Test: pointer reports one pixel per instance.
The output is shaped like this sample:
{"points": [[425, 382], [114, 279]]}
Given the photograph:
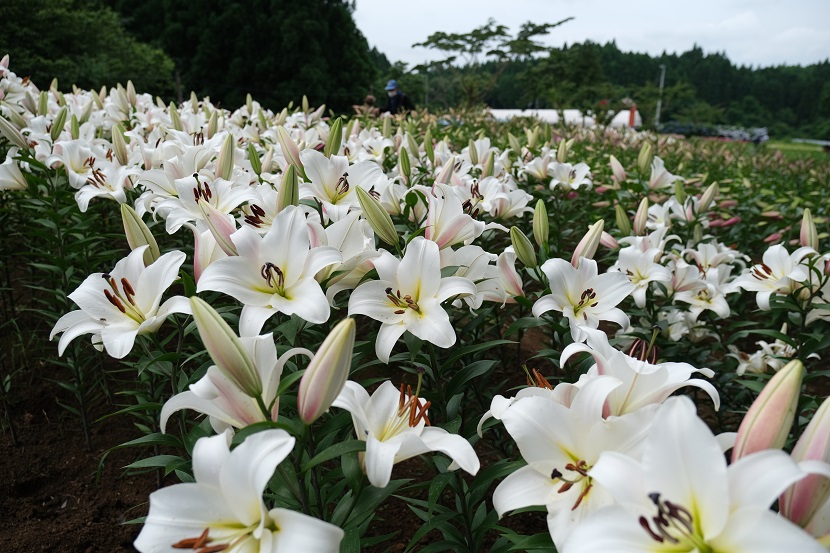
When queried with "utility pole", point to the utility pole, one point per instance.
{"points": [[660, 95]]}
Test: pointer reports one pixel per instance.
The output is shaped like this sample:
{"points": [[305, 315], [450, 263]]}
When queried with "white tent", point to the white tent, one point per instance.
{"points": [[571, 116]]}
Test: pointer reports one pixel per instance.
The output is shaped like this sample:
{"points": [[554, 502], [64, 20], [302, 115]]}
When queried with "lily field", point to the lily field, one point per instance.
{"points": [[616, 337]]}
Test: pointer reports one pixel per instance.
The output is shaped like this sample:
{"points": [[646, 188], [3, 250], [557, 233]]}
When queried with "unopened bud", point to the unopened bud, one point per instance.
{"points": [[74, 128], [249, 104], [290, 151], [138, 234], [378, 218], [221, 226], [523, 248], [332, 147], [289, 192], [132, 97], [473, 152], [680, 191], [327, 372], [213, 123], [386, 128], [809, 234], [305, 104], [412, 145], [11, 134], [562, 151], [641, 218], [489, 166], [225, 348], [767, 423], [119, 146], [587, 247], [621, 218], [58, 124], [428, 149], [541, 226], [617, 169], [645, 158], [445, 176], [224, 162], [175, 120], [609, 241], [514, 144], [253, 159], [403, 160], [532, 137], [43, 103], [708, 197]]}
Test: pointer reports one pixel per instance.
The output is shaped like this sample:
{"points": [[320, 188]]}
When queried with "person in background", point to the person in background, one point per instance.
{"points": [[368, 107], [398, 101]]}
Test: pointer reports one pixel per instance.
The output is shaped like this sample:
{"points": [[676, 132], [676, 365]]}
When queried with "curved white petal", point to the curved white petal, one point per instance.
{"points": [[524, 488], [453, 446], [301, 533], [388, 335], [379, 459]]}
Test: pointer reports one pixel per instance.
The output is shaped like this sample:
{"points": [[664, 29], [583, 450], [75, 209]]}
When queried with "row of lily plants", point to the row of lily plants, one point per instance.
{"points": [[550, 320]]}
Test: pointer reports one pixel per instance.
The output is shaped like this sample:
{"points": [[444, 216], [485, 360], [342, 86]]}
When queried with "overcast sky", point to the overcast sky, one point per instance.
{"points": [[751, 32]]}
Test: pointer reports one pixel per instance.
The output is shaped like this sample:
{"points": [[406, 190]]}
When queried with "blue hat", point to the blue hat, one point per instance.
{"points": [[392, 85]]}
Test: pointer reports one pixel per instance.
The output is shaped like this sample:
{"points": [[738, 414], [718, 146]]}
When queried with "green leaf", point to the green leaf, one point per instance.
{"points": [[335, 451]]}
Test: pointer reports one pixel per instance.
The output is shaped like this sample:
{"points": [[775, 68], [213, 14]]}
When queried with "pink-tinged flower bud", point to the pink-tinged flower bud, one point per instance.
{"points": [[225, 348], [809, 235], [508, 276], [572, 195], [732, 221], [617, 169], [609, 241], [587, 247], [523, 248], [132, 97], [708, 197], [827, 267], [641, 218], [11, 134], [726, 204], [601, 189], [801, 501], [445, 176], [221, 226], [621, 218], [772, 215], [289, 148], [774, 237], [138, 234], [327, 373], [602, 204], [767, 423]]}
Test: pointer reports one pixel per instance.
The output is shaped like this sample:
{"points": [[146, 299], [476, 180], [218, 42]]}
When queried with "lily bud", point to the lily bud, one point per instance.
{"points": [[132, 97], [809, 234], [445, 176], [327, 372], [138, 234], [609, 241], [281, 118], [413, 145], [680, 191], [350, 126], [74, 128], [249, 104], [224, 163], [428, 149], [541, 226], [289, 192], [11, 134], [473, 152], [803, 499], [617, 169], [645, 158], [58, 124], [263, 123], [697, 234], [86, 113], [489, 166], [403, 160], [532, 137], [378, 218], [335, 139], [268, 160], [43, 103], [587, 247], [621, 218], [213, 123], [523, 248], [174, 117], [119, 146], [289, 148], [221, 226], [253, 159], [306, 107], [225, 348], [514, 143], [767, 423], [641, 218], [386, 128], [708, 197], [562, 151]]}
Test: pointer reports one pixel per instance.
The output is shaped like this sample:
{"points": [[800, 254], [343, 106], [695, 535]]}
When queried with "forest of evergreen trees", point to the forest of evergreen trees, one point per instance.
{"points": [[276, 52]]}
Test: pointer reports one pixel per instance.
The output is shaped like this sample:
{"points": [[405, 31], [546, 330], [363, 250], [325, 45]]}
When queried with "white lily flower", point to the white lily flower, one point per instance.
{"points": [[224, 506], [641, 268], [408, 296], [583, 296], [642, 383], [394, 425], [681, 497], [273, 273], [660, 178], [11, 178], [221, 194], [447, 223], [705, 299], [117, 306], [561, 444], [778, 274], [108, 180], [227, 405], [572, 176]]}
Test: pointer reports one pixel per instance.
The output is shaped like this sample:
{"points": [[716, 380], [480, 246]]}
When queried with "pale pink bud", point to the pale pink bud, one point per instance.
{"points": [[609, 241], [221, 226], [572, 195], [446, 172], [767, 423], [774, 237], [601, 189], [726, 204], [290, 151], [617, 169], [809, 235], [641, 218], [509, 277], [708, 197], [732, 221], [587, 247], [801, 501], [327, 373]]}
